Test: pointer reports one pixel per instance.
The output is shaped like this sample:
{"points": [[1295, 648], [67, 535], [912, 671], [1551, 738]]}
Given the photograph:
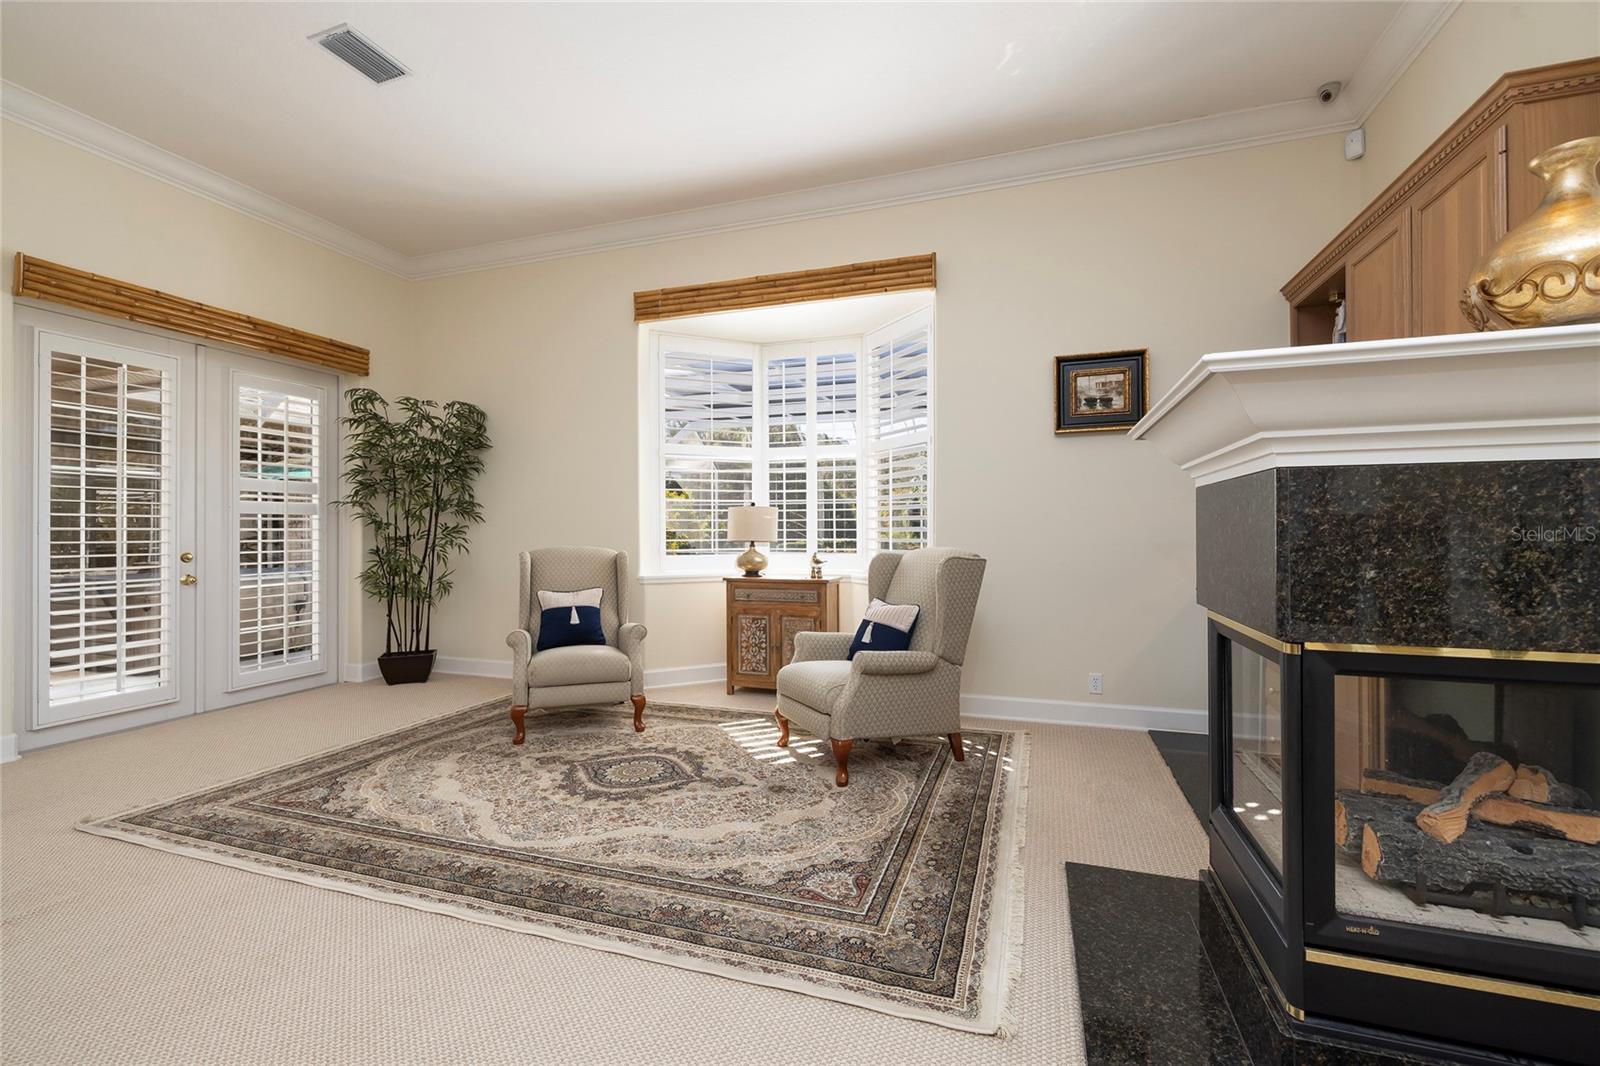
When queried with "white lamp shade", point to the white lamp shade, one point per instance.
{"points": [[753, 523]]}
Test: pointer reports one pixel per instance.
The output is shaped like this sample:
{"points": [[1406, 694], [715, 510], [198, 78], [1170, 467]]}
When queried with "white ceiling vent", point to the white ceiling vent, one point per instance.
{"points": [[360, 53]]}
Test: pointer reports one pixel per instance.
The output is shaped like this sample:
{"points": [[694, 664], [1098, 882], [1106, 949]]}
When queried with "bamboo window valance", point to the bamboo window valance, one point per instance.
{"points": [[768, 290], [40, 279]]}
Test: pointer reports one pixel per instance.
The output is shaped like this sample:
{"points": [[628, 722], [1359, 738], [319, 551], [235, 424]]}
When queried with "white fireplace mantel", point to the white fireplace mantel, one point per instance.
{"points": [[1461, 398]]}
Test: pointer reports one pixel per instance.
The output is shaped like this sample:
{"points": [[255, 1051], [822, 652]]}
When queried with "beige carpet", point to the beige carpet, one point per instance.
{"points": [[119, 954]]}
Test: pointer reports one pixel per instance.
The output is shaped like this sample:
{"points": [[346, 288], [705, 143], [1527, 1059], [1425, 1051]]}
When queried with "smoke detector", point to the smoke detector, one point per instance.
{"points": [[349, 45]]}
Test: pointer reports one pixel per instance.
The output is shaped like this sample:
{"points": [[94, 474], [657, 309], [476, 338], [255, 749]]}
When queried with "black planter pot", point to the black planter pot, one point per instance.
{"points": [[406, 667]]}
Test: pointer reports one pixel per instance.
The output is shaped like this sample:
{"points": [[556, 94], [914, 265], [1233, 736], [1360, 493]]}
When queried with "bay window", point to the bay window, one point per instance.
{"points": [[834, 433]]}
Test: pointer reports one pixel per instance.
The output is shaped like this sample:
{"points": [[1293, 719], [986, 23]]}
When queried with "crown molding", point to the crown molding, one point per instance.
{"points": [[1154, 144], [1413, 26], [44, 115]]}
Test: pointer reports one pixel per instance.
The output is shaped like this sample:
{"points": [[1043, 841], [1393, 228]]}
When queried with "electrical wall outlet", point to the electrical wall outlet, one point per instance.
{"points": [[1096, 686]]}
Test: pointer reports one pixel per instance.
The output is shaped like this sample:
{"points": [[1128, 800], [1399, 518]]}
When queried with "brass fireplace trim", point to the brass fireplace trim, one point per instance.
{"points": [[1255, 634], [1261, 964], [1493, 985], [1585, 657]]}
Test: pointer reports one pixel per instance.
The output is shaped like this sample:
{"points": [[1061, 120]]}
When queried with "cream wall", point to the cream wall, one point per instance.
{"points": [[1480, 42], [1090, 537], [58, 202]]}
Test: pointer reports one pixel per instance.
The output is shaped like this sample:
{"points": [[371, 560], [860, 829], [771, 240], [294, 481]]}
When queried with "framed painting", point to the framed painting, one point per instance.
{"points": [[1101, 391]]}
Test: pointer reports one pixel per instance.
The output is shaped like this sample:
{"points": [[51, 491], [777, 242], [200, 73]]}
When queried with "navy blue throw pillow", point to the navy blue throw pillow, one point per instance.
{"points": [[885, 627], [569, 618]]}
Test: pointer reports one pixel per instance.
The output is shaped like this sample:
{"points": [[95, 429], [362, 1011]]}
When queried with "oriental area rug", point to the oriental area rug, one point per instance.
{"points": [[698, 843]]}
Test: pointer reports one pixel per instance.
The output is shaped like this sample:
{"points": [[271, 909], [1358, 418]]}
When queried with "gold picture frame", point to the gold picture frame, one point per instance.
{"points": [[1100, 392]]}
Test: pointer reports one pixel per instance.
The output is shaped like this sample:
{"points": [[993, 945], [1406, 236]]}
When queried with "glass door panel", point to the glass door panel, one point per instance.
{"points": [[109, 524], [1255, 768], [269, 539], [1469, 805]]}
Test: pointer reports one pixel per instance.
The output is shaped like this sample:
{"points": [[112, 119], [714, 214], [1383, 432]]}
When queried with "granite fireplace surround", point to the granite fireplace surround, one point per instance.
{"points": [[1398, 548], [1459, 555]]}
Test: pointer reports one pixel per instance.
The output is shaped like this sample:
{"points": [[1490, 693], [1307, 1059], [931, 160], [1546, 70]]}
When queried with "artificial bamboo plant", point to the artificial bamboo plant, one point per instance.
{"points": [[409, 478]]}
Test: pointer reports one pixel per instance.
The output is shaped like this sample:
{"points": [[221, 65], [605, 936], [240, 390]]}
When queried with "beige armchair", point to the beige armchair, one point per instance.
{"points": [[888, 693], [585, 675]]}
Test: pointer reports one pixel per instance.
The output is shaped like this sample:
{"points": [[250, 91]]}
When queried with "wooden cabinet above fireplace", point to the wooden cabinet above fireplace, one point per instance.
{"points": [[1402, 263]]}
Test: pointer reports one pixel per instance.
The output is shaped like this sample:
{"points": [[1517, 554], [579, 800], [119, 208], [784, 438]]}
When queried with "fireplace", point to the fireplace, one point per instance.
{"points": [[1463, 802], [1404, 644], [1410, 839]]}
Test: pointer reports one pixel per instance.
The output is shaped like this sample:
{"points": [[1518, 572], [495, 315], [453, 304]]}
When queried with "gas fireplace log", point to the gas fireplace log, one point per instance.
{"points": [[1385, 783], [1573, 823], [1485, 774], [1394, 850], [1538, 785], [1353, 810]]}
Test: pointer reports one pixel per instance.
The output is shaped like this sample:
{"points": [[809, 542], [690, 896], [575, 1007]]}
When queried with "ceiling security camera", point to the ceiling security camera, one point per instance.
{"points": [[1329, 92]]}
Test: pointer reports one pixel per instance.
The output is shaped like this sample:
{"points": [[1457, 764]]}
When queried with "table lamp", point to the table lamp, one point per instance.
{"points": [[752, 524]]}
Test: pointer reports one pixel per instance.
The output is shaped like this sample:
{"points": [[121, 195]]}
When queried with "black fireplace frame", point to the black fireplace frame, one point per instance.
{"points": [[1342, 971]]}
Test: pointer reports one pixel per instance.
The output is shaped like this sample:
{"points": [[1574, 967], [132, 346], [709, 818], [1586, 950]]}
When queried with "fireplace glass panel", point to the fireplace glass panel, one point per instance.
{"points": [[1256, 769], [1469, 806]]}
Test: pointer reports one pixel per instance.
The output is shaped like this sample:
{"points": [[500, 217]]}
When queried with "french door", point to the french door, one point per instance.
{"points": [[114, 507], [184, 553], [268, 535]]}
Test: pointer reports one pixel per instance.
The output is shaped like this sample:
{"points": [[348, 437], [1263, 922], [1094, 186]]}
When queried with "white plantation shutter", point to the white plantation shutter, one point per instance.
{"points": [[832, 435], [278, 485], [836, 506], [707, 400], [838, 398], [786, 490], [899, 399], [698, 493], [108, 597], [709, 435], [786, 401]]}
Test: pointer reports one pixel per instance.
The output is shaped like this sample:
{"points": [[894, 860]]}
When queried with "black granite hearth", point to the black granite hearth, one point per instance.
{"points": [[1147, 991], [1165, 980], [1185, 755]]}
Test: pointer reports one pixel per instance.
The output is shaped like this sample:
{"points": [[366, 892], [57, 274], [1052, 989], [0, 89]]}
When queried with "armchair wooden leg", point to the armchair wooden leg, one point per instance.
{"points": [[955, 747], [841, 758], [516, 720], [638, 714], [783, 729]]}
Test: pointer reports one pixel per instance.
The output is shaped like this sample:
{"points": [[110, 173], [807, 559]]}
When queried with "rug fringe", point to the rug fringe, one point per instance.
{"points": [[1011, 986]]}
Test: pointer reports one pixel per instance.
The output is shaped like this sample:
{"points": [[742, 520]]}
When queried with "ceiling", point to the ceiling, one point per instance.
{"points": [[527, 130]]}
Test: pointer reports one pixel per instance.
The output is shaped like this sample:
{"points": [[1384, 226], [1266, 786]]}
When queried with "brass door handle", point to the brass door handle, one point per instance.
{"points": [[186, 557], [188, 579]]}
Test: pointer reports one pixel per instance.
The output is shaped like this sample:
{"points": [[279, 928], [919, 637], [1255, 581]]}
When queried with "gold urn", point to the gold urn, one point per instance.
{"points": [[1546, 272]]}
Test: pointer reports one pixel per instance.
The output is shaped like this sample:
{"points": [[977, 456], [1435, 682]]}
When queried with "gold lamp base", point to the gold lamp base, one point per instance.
{"points": [[752, 562]]}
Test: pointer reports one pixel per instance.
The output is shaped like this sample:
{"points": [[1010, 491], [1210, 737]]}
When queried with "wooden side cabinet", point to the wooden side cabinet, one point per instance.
{"points": [[764, 614]]}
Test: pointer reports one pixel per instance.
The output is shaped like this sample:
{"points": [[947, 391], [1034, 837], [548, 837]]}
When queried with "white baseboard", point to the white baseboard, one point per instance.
{"points": [[1075, 712], [359, 672], [445, 664], [8, 748], [450, 664], [673, 676]]}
